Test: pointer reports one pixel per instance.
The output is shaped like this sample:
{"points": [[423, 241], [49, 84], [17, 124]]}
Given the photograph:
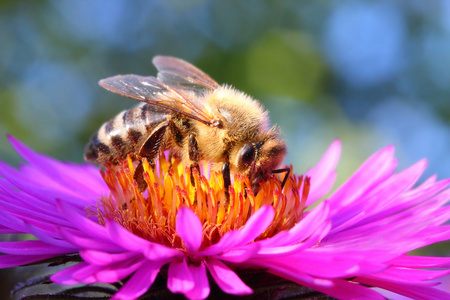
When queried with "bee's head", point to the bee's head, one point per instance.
{"points": [[257, 159]]}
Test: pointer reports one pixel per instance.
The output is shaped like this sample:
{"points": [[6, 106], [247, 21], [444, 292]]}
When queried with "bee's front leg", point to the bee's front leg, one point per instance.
{"points": [[194, 155], [287, 171]]}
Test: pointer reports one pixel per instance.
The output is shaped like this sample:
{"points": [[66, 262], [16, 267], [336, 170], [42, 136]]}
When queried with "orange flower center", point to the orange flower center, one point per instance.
{"points": [[151, 214]]}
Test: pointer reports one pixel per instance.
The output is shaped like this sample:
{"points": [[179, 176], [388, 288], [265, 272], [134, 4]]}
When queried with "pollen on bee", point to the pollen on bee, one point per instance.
{"points": [[151, 214]]}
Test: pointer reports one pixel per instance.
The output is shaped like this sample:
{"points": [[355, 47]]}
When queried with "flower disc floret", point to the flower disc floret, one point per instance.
{"points": [[151, 212]]}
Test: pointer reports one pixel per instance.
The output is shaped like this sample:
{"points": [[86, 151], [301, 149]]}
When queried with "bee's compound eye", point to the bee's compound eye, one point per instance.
{"points": [[247, 155]]}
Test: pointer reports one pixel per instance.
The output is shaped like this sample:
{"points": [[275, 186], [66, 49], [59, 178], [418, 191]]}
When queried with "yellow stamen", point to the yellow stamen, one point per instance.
{"points": [[151, 214]]}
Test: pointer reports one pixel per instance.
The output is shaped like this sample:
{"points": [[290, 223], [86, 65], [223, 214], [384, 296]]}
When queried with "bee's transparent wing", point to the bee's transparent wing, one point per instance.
{"points": [[177, 73], [153, 91]]}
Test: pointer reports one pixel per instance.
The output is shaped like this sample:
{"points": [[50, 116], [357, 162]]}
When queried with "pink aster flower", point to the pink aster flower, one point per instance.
{"points": [[351, 245]]}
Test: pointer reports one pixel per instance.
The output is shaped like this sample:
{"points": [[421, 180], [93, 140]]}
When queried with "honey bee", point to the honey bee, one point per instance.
{"points": [[187, 112]]}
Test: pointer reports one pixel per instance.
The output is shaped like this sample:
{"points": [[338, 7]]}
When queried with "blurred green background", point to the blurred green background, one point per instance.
{"points": [[370, 73]]}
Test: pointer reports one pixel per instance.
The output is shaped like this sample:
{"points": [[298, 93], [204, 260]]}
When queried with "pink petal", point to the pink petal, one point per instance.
{"points": [[201, 288], [399, 183], [34, 216], [40, 226], [375, 170], [179, 279], [50, 237], [241, 254], [371, 204], [12, 222], [324, 174], [82, 242], [86, 274], [226, 242], [65, 276], [338, 288], [189, 228], [12, 198], [31, 248], [255, 225], [342, 289], [302, 230], [424, 191], [8, 260], [420, 262], [8, 231], [226, 279], [101, 258], [71, 176], [408, 290], [140, 282], [42, 192], [127, 240], [410, 276], [82, 222], [314, 239], [118, 272], [326, 264]]}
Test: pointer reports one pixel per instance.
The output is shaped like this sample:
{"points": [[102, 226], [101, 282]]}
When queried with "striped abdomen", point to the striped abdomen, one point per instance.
{"points": [[125, 134]]}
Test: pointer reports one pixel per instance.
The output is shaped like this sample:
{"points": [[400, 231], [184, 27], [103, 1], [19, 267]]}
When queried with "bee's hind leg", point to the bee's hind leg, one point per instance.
{"points": [[226, 178], [194, 155], [139, 177], [149, 150]]}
